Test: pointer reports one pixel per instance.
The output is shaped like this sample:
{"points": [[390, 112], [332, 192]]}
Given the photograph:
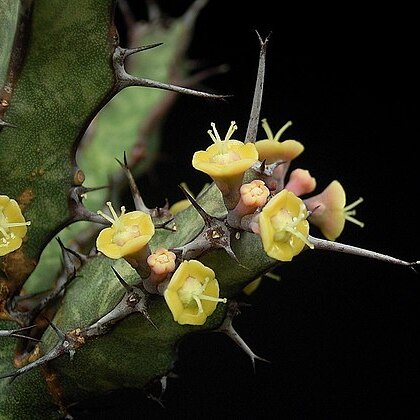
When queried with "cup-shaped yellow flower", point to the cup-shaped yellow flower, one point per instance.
{"points": [[273, 150], [225, 162], [13, 226], [129, 233], [329, 211], [283, 226], [300, 182], [193, 293]]}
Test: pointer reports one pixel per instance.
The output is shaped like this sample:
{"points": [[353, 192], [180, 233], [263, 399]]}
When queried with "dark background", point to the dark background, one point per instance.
{"points": [[341, 332]]}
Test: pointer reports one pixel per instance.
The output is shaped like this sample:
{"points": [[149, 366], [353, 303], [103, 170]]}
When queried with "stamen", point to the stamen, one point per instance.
{"points": [[4, 233], [210, 133], [282, 130], [267, 129], [111, 209], [18, 224], [216, 133], [353, 220], [211, 298], [105, 216], [295, 232], [198, 301], [352, 205], [233, 127], [348, 214]]}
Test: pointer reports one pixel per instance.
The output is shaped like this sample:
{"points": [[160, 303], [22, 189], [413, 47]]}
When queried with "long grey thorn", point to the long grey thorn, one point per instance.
{"points": [[227, 328], [135, 193], [66, 344], [126, 286], [69, 265], [17, 333], [134, 300], [254, 118], [79, 211], [126, 52], [126, 80], [324, 244]]}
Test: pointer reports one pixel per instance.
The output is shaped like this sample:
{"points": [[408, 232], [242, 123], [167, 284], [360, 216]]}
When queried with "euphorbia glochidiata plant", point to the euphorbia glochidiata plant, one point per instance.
{"points": [[181, 270]]}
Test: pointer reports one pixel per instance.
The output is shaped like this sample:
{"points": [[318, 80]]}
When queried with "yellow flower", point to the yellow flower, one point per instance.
{"points": [[225, 158], [13, 226], [193, 293], [129, 233], [272, 150], [329, 210], [283, 226]]}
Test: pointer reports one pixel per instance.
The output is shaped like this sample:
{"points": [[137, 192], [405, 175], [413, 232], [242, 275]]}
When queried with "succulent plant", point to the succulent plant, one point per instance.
{"points": [[96, 293]]}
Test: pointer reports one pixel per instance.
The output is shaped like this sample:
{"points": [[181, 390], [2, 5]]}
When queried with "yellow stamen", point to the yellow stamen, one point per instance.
{"points": [[282, 130], [348, 212], [269, 133]]}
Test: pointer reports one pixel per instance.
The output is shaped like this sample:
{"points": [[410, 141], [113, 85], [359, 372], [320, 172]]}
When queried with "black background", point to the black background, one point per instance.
{"points": [[341, 332]]}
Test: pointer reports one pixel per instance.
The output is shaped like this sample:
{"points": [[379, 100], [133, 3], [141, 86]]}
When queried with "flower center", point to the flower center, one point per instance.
{"points": [[223, 156], [191, 293], [285, 226], [124, 233], [5, 233]]}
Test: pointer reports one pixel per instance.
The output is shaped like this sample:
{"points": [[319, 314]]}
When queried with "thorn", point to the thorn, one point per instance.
{"points": [[129, 51], [79, 211], [135, 193], [59, 333], [231, 254], [17, 333], [412, 264], [85, 190], [125, 80], [69, 266], [126, 286], [227, 328], [67, 344], [311, 212], [251, 132], [6, 124], [206, 217], [82, 258], [147, 316], [262, 166], [327, 245], [164, 225]]}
